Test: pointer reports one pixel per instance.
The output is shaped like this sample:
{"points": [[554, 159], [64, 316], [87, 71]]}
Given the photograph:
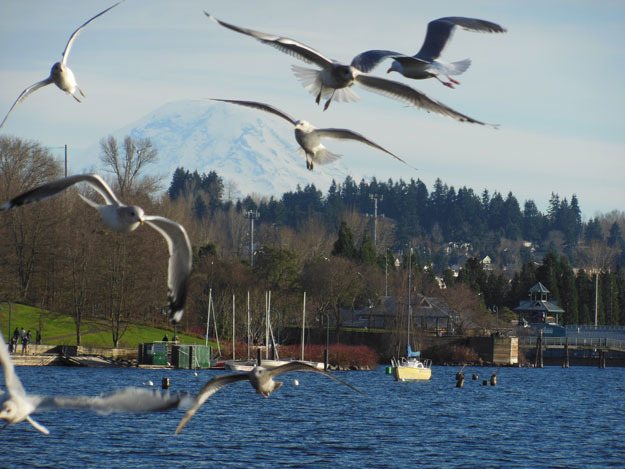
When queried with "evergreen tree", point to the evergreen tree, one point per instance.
{"points": [[615, 238], [344, 245], [593, 231], [366, 253]]}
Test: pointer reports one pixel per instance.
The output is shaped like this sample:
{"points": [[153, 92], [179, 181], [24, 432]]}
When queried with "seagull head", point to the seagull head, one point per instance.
{"points": [[261, 380], [10, 412], [395, 67], [131, 216], [304, 126]]}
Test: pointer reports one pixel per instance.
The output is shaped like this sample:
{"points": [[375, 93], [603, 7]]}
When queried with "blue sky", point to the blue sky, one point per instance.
{"points": [[554, 82]]}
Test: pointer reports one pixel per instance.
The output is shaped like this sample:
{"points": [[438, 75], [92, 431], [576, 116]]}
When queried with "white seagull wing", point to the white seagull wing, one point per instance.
{"points": [[24, 94], [129, 399], [262, 107], [440, 31], [11, 380], [299, 366], [350, 134], [207, 391], [180, 260], [76, 33], [284, 44], [399, 91], [54, 187]]}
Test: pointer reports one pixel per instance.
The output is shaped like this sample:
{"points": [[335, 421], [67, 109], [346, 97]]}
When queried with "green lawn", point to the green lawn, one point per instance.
{"points": [[59, 329]]}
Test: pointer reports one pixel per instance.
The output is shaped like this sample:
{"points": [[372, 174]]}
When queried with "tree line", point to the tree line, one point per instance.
{"points": [[57, 255]]}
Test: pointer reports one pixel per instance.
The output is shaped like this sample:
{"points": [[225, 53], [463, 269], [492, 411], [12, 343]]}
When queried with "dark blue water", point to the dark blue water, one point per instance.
{"points": [[549, 417]]}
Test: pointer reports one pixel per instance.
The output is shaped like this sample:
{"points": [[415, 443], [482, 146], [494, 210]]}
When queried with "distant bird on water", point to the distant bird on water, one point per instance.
{"points": [[335, 79], [17, 406], [60, 74], [261, 380], [425, 63], [124, 219], [309, 137]]}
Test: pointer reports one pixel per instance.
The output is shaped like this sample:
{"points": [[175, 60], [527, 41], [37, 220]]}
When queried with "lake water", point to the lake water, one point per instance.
{"points": [[549, 417]]}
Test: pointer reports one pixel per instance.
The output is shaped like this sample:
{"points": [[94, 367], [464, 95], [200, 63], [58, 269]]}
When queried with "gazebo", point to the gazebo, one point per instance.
{"points": [[539, 309]]}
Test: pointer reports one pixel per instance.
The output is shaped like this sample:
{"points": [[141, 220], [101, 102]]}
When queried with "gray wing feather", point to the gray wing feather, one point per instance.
{"points": [[350, 134], [368, 60], [399, 91], [76, 33], [262, 107], [24, 94], [299, 366], [180, 261], [284, 44], [440, 31], [207, 391], [130, 399], [52, 188]]}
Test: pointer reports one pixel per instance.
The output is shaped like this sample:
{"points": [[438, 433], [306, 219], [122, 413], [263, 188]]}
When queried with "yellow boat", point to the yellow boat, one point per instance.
{"points": [[412, 367]]}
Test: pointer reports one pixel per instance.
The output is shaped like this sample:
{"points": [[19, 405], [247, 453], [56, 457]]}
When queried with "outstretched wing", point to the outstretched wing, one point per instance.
{"points": [[350, 134], [130, 399], [11, 380], [207, 391], [76, 33], [24, 94], [300, 366], [180, 259], [284, 44], [52, 188], [440, 31], [368, 60], [262, 107], [399, 91]]}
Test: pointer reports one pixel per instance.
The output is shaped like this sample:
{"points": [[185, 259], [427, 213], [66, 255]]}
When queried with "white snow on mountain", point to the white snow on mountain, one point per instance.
{"points": [[255, 150]]}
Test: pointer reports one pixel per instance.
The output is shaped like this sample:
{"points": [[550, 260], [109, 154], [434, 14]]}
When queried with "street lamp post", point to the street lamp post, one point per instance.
{"points": [[252, 215]]}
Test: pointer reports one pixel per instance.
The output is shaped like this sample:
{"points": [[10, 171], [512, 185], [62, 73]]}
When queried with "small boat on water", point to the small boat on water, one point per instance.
{"points": [[411, 367]]}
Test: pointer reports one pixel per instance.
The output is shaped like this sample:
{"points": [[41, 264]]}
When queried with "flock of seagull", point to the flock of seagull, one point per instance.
{"points": [[331, 81]]}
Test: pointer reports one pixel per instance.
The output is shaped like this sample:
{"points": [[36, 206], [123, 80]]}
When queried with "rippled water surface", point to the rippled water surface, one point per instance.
{"points": [[549, 417]]}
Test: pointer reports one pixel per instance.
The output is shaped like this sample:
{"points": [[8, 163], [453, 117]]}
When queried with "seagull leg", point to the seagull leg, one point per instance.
{"points": [[454, 81], [318, 99], [327, 105], [448, 84]]}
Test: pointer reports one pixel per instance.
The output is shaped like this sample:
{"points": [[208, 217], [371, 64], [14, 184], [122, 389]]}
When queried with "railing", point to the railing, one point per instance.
{"points": [[577, 342]]}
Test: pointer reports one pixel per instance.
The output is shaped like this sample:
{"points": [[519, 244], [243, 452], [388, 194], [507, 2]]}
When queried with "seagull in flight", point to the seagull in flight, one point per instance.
{"points": [[60, 74], [309, 137], [426, 63], [124, 219], [16, 405], [261, 380], [334, 80]]}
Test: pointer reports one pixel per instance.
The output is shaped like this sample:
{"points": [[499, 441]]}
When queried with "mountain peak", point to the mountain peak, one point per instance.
{"points": [[256, 151]]}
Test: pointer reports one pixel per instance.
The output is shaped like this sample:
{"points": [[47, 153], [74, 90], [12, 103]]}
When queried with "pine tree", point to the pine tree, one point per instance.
{"points": [[344, 245]]}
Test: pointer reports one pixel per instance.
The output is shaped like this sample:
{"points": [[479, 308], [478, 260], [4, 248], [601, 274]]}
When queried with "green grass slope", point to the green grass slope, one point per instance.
{"points": [[59, 329]]}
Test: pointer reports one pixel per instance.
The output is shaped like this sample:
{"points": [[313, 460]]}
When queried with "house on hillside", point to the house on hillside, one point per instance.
{"points": [[431, 314]]}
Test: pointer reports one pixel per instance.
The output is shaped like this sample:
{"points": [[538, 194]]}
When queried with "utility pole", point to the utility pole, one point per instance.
{"points": [[252, 215], [375, 198]]}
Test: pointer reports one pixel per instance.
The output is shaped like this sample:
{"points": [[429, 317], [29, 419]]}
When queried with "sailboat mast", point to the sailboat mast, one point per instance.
{"points": [[248, 325], [409, 294], [303, 325], [208, 316], [233, 341]]}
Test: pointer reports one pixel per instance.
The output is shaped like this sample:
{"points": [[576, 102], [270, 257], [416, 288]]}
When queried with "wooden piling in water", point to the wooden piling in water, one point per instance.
{"points": [[538, 359], [567, 362]]}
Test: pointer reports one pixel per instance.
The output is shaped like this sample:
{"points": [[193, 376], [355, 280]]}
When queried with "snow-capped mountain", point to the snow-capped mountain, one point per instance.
{"points": [[254, 149]]}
